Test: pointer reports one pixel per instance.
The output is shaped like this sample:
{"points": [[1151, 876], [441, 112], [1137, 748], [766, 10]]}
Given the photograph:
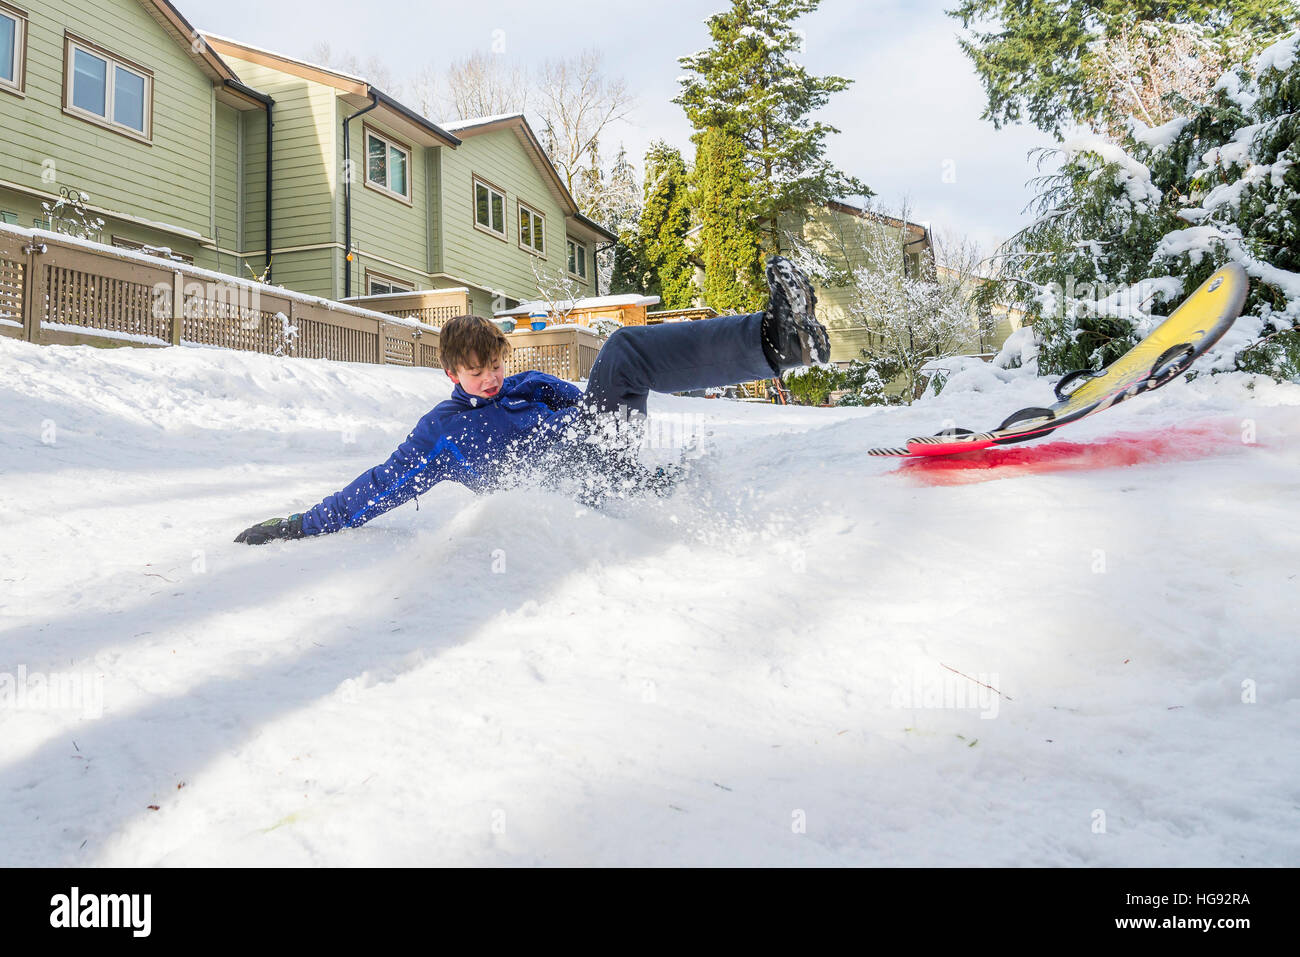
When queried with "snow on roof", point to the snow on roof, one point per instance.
{"points": [[578, 305], [285, 56], [452, 125]]}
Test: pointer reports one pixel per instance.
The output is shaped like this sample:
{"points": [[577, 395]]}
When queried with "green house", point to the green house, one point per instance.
{"points": [[234, 158], [122, 101], [400, 203]]}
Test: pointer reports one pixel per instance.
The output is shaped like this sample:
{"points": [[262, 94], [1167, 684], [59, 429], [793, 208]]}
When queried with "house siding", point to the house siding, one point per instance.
{"points": [[478, 257], [228, 133], [304, 180], [252, 187], [170, 181], [385, 228]]}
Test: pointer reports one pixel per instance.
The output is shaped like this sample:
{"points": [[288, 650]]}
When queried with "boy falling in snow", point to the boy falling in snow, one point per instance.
{"points": [[492, 422]]}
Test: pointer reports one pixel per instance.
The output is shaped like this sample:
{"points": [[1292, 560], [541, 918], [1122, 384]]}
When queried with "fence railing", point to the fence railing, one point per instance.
{"points": [[567, 352], [55, 290], [433, 307]]}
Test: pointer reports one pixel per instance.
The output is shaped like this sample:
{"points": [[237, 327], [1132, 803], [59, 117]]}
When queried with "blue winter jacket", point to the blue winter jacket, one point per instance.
{"points": [[466, 439]]}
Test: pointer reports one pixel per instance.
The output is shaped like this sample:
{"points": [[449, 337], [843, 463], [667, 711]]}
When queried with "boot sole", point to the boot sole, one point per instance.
{"points": [[799, 296]]}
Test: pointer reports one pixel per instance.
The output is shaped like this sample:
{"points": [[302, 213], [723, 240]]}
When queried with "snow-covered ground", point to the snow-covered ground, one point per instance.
{"points": [[762, 669]]}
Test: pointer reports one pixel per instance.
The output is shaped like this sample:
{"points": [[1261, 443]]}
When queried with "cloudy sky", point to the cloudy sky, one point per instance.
{"points": [[910, 125]]}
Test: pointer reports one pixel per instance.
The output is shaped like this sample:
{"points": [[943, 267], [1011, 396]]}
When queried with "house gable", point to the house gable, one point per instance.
{"points": [[503, 153], [161, 187]]}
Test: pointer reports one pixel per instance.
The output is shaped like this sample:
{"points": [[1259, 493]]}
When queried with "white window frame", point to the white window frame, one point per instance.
{"points": [[492, 191], [368, 134], [575, 246], [394, 285], [532, 212], [18, 84], [72, 44]]}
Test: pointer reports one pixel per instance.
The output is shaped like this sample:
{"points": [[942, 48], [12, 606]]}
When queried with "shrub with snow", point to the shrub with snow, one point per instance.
{"points": [[1125, 231]]}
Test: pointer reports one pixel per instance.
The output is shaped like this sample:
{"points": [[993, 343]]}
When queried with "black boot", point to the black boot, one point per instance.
{"points": [[792, 336]]}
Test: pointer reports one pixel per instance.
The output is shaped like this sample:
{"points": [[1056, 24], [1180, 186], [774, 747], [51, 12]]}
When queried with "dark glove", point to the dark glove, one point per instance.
{"points": [[262, 533]]}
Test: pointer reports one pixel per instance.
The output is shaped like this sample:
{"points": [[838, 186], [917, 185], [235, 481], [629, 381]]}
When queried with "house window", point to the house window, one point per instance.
{"points": [[13, 36], [388, 166], [489, 208], [577, 259], [532, 229], [384, 286], [104, 89]]}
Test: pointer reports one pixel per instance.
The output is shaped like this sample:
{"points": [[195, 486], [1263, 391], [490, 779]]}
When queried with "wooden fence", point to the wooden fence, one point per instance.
{"points": [[56, 292], [566, 352], [433, 307]]}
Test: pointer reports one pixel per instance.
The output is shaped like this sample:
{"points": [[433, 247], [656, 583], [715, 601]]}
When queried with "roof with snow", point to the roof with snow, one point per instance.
{"points": [[357, 91], [580, 305], [229, 86], [474, 121]]}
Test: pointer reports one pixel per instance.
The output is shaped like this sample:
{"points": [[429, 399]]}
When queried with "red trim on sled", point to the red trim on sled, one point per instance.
{"points": [[948, 448]]}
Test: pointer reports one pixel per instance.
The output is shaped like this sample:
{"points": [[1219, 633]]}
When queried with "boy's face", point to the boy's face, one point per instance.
{"points": [[483, 380]]}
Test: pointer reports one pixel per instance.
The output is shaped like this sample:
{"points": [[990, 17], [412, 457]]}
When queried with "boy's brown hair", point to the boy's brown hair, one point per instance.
{"points": [[471, 342]]}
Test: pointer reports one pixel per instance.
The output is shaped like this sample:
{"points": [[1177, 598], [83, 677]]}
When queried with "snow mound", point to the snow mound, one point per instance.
{"points": [[801, 634]]}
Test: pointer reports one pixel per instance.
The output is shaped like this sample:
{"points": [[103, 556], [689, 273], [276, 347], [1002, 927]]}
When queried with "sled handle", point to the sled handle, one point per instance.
{"points": [[1033, 412], [1172, 362], [1069, 377]]}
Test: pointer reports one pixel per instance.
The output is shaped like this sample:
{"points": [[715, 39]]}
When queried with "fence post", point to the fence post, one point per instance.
{"points": [[573, 354], [31, 282], [383, 341], [178, 308]]}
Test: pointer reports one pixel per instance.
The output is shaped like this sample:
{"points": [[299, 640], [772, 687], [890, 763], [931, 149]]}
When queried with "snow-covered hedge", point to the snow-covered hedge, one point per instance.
{"points": [[1126, 230]]}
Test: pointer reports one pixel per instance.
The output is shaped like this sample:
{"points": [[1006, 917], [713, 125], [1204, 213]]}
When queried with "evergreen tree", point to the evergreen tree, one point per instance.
{"points": [[614, 201], [1124, 232], [620, 260], [626, 273], [729, 244], [661, 260], [747, 84], [1062, 63]]}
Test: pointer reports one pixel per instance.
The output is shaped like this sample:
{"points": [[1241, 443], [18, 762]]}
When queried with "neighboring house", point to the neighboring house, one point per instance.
{"points": [[832, 232], [474, 203], [1003, 320], [121, 100], [225, 155]]}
